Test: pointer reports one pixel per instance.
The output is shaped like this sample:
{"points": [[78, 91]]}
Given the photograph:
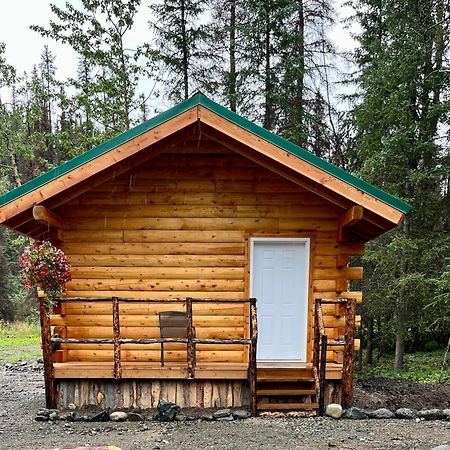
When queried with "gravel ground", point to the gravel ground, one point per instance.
{"points": [[22, 393]]}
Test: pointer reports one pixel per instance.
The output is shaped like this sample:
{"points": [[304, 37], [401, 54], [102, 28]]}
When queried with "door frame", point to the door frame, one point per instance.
{"points": [[308, 264]]}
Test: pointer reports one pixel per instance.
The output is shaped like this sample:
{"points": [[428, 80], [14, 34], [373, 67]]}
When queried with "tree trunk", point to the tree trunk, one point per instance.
{"points": [[184, 50], [232, 76], [369, 348], [268, 88]]}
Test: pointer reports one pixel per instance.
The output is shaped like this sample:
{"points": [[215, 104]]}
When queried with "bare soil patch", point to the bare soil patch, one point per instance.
{"points": [[22, 393]]}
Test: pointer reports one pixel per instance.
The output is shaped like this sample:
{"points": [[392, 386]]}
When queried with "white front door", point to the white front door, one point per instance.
{"points": [[279, 275]]}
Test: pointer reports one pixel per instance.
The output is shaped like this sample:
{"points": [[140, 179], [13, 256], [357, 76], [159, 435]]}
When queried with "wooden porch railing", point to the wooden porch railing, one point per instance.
{"points": [[321, 344], [117, 341]]}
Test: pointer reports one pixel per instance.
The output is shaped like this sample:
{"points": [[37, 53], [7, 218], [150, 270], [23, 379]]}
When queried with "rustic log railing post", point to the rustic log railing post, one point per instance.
{"points": [[116, 339], [190, 340], [349, 350], [47, 354], [322, 373], [252, 357]]}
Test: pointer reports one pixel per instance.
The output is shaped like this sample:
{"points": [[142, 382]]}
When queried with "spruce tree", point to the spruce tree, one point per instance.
{"points": [[403, 104]]}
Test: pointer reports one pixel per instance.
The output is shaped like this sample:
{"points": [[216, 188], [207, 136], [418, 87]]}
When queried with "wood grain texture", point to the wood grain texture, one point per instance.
{"points": [[177, 226]]}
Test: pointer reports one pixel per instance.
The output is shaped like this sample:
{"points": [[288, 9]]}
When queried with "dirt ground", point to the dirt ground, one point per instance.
{"points": [[22, 393]]}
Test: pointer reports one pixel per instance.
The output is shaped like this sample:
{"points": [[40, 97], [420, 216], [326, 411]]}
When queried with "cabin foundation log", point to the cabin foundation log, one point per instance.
{"points": [[145, 394]]}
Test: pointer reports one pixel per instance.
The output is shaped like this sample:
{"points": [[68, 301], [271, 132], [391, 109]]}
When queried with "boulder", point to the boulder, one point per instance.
{"points": [[102, 416], [53, 415], [225, 419], [334, 410], [167, 411], [381, 413], [135, 417], [72, 406], [241, 414], [431, 414], [118, 416], [180, 418], [354, 413], [222, 413], [207, 417], [43, 412], [405, 413], [446, 413]]}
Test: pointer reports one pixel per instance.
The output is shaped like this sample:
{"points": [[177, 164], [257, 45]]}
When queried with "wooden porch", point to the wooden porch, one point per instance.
{"points": [[268, 385]]}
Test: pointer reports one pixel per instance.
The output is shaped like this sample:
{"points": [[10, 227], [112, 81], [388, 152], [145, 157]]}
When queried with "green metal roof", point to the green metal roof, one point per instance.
{"points": [[200, 99]]}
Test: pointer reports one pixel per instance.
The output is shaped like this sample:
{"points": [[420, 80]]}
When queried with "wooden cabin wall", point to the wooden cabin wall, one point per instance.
{"points": [[178, 226]]}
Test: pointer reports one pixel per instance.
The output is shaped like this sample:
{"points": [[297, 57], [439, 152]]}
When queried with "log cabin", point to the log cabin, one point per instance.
{"points": [[244, 235]]}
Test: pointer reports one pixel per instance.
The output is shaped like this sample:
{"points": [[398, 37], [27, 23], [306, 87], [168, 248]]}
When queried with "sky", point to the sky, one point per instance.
{"points": [[24, 46]]}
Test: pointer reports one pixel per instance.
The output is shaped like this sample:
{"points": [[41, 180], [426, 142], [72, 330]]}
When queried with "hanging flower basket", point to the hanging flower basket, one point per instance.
{"points": [[46, 267]]}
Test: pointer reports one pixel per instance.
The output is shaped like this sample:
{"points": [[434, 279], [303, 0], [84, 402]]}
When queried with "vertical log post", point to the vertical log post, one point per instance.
{"points": [[47, 354], [349, 351], [322, 373], [116, 338], [252, 357], [190, 342], [316, 348]]}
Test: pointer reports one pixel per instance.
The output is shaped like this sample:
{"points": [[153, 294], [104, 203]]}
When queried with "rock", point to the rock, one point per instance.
{"points": [[9, 365], [180, 418], [192, 417], [23, 363], [72, 406], [241, 414], [381, 413], [442, 447], [102, 416], [74, 417], [135, 417], [3, 413], [118, 416], [207, 417], [225, 419], [446, 413], [334, 410], [221, 413], [53, 415], [405, 413], [354, 413], [431, 414], [40, 418], [167, 411], [43, 412]]}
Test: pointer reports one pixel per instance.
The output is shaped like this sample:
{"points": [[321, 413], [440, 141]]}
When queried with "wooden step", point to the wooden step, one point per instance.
{"points": [[281, 392], [287, 406], [284, 379]]}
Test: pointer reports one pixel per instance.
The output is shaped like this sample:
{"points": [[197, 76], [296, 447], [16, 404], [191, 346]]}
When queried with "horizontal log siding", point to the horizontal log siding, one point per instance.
{"points": [[176, 227]]}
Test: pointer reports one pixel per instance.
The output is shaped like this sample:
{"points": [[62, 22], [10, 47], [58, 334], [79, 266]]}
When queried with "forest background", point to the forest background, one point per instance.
{"points": [[381, 112]]}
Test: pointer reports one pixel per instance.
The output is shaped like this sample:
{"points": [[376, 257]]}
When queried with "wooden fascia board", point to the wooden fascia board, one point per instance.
{"points": [[106, 160], [302, 167]]}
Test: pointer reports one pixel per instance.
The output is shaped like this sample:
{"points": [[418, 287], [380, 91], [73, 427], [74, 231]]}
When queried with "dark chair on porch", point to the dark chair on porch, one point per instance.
{"points": [[173, 324]]}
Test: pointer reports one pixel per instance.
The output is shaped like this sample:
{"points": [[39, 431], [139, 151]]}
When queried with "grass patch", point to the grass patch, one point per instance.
{"points": [[20, 341], [420, 366]]}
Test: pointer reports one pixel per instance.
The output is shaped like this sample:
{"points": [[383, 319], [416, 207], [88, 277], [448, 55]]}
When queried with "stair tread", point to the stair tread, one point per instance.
{"points": [[281, 392], [284, 379], [287, 406]]}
